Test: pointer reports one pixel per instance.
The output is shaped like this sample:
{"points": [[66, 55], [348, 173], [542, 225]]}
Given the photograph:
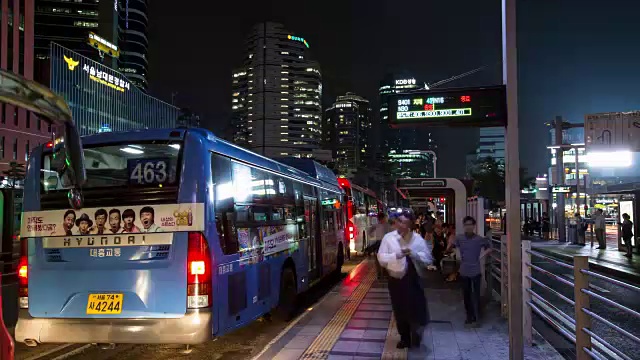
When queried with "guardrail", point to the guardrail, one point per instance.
{"points": [[576, 327]]}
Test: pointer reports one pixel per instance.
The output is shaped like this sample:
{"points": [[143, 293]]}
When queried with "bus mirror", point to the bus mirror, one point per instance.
{"points": [[72, 173], [27, 94]]}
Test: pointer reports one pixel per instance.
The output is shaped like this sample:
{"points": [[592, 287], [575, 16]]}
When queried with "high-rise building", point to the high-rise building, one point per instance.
{"points": [[347, 131], [276, 95], [491, 144], [20, 130], [412, 164], [122, 24], [133, 22], [413, 138], [102, 99]]}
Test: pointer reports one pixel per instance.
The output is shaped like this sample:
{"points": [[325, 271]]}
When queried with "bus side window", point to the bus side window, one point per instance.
{"points": [[223, 203]]}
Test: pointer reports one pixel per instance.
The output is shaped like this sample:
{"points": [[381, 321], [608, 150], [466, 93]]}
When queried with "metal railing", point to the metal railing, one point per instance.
{"points": [[577, 327]]}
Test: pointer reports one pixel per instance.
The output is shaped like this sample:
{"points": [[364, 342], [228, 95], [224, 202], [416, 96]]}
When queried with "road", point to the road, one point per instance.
{"points": [[239, 345], [618, 294]]}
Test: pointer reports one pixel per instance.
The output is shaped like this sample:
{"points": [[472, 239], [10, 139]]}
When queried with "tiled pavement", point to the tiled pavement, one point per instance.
{"points": [[355, 321]]}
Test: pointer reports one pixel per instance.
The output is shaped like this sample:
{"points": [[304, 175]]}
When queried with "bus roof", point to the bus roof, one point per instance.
{"points": [[217, 145]]}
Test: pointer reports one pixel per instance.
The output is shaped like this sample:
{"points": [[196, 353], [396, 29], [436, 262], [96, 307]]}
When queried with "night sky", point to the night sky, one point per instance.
{"points": [[575, 56]]}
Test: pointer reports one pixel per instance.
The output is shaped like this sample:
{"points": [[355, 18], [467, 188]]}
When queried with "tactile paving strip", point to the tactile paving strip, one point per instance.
{"points": [[323, 344]]}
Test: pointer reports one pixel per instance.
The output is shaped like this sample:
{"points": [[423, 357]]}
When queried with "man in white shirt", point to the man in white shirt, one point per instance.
{"points": [[404, 254]]}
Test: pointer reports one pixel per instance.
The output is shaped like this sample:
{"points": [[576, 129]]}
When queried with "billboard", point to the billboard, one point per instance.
{"points": [[612, 131], [100, 97]]}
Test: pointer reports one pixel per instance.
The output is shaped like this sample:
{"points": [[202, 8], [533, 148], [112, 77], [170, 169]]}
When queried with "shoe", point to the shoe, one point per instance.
{"points": [[628, 255], [402, 345]]}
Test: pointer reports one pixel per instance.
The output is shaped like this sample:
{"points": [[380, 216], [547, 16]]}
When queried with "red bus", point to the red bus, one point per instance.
{"points": [[362, 211]]}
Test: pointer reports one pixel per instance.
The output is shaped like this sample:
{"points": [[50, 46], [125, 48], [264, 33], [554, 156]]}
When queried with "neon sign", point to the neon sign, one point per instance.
{"points": [[297, 38]]}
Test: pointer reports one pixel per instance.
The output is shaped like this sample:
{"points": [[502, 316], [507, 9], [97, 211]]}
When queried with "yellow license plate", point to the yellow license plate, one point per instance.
{"points": [[104, 304]]}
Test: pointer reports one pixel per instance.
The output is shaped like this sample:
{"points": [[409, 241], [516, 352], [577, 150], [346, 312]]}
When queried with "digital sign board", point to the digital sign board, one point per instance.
{"points": [[478, 107]]}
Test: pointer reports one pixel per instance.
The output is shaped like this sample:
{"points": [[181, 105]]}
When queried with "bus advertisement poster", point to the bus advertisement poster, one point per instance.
{"points": [[114, 220]]}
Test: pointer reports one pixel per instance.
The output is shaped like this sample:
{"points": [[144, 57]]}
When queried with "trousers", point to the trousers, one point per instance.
{"points": [[471, 292]]}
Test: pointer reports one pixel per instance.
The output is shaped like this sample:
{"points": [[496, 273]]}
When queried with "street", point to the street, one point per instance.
{"points": [[244, 343]]}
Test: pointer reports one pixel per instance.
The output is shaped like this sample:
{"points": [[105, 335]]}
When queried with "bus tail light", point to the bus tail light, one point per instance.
{"points": [[199, 294], [351, 235], [23, 276]]}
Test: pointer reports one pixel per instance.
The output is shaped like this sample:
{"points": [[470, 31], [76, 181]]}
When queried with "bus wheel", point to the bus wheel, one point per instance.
{"points": [[288, 294]]}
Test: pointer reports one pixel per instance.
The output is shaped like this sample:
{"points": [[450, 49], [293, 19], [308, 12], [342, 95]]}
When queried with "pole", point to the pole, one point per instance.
{"points": [[577, 182], [514, 257], [562, 231]]}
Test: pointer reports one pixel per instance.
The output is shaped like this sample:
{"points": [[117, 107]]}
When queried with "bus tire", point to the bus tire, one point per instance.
{"points": [[288, 295]]}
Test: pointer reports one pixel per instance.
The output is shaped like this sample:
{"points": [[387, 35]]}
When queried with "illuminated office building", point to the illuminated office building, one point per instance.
{"points": [[68, 23], [400, 139], [347, 132], [276, 109], [412, 164], [102, 99], [133, 42], [20, 130], [491, 144]]}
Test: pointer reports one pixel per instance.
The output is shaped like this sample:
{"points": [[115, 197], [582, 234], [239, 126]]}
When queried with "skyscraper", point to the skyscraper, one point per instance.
{"points": [[347, 133], [68, 23], [406, 138], [276, 95], [133, 22], [491, 144]]}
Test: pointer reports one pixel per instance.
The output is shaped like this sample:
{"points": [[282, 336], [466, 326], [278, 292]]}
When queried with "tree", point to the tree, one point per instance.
{"points": [[526, 181], [15, 173], [488, 177]]}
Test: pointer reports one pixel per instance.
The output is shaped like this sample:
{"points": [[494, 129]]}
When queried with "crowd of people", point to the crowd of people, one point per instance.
{"points": [[410, 246]]}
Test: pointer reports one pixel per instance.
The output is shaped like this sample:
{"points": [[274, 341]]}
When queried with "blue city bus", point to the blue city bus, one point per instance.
{"points": [[182, 237]]}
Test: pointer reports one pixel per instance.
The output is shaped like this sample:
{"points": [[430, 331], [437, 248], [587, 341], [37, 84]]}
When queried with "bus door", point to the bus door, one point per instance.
{"points": [[311, 208]]}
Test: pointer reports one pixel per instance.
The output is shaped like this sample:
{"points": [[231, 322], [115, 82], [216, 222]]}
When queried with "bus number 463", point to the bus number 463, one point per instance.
{"points": [[149, 172]]}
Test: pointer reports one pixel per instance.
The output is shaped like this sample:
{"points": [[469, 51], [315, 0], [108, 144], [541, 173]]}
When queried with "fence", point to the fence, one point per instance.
{"points": [[577, 327]]}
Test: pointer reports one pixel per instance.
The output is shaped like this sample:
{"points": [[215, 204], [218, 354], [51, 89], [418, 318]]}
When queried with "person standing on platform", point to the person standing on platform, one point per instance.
{"points": [[599, 224], [405, 254], [472, 247], [627, 233], [546, 226]]}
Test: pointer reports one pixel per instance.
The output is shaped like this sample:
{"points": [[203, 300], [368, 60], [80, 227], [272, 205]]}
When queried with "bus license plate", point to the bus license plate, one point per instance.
{"points": [[104, 303]]}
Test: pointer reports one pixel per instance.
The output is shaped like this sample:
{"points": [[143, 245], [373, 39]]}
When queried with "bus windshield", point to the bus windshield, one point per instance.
{"points": [[131, 164]]}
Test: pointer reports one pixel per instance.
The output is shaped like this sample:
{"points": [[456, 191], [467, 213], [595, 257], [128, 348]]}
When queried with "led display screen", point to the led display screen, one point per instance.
{"points": [[452, 107]]}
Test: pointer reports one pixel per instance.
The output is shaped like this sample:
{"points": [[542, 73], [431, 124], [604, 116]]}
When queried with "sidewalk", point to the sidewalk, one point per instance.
{"points": [[354, 321]]}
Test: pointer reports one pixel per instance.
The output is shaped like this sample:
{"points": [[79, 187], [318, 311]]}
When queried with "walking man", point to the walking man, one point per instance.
{"points": [[472, 247], [599, 225]]}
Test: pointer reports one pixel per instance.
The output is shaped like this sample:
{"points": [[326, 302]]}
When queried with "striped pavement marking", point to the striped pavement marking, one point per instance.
{"points": [[322, 345]]}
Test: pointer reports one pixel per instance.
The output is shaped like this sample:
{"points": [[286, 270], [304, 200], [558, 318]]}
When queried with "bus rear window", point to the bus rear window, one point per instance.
{"points": [[123, 165]]}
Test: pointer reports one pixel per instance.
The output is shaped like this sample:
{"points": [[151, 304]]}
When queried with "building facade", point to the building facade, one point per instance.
{"points": [[102, 99], [491, 144], [412, 164], [68, 23], [346, 131], [276, 106], [395, 139], [20, 130], [133, 42]]}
